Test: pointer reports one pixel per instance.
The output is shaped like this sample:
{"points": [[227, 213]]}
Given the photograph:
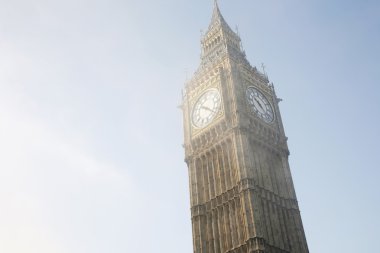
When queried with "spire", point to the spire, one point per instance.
{"points": [[219, 39], [217, 18], [216, 4]]}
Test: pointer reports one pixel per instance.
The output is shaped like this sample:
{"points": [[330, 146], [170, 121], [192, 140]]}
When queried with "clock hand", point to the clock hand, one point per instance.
{"points": [[208, 109], [259, 104]]}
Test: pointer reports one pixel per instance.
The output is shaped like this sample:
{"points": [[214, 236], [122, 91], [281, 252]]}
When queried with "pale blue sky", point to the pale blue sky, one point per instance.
{"points": [[90, 133]]}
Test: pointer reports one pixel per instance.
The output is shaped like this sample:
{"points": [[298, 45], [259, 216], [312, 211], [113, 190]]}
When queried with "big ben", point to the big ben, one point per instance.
{"points": [[241, 190]]}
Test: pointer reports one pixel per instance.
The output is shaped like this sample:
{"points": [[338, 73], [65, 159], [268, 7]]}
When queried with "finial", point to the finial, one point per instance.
{"points": [[237, 30], [263, 67]]}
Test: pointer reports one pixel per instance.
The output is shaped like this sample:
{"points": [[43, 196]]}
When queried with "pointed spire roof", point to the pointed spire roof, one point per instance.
{"points": [[216, 15], [217, 19]]}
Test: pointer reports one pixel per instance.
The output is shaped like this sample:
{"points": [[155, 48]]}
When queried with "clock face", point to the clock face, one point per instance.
{"points": [[259, 104], [206, 108]]}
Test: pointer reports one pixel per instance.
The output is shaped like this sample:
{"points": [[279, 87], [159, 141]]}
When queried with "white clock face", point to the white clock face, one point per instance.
{"points": [[206, 108], [259, 104]]}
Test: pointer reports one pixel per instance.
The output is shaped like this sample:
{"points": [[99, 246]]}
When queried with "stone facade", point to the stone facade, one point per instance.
{"points": [[241, 190]]}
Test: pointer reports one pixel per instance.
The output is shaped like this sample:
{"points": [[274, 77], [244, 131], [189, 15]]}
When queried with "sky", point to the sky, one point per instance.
{"points": [[91, 157]]}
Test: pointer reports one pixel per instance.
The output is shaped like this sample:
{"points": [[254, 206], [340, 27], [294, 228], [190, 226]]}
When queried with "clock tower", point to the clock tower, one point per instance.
{"points": [[241, 190]]}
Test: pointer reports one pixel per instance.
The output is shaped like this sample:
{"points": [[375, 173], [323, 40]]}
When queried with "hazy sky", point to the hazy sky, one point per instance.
{"points": [[90, 134]]}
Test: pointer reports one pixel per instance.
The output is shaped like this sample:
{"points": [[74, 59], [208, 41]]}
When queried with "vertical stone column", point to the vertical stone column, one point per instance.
{"points": [[227, 225], [221, 166], [233, 223], [288, 177], [198, 182], [226, 181], [199, 230], [205, 179], [222, 235], [210, 234], [212, 175], [217, 168], [216, 233], [239, 222]]}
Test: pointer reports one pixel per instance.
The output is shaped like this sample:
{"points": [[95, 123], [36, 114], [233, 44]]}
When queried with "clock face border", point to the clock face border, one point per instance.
{"points": [[206, 108], [259, 105]]}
